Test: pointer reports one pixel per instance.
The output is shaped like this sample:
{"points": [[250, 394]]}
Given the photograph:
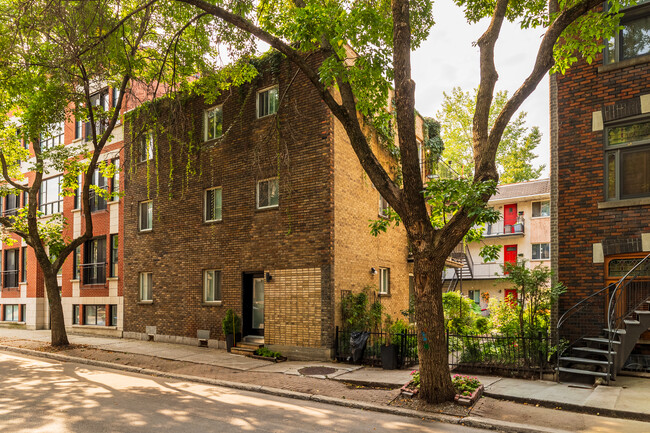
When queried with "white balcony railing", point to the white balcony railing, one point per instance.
{"points": [[501, 229]]}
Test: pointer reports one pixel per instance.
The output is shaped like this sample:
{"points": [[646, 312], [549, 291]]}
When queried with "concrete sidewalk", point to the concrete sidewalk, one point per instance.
{"points": [[629, 397]]}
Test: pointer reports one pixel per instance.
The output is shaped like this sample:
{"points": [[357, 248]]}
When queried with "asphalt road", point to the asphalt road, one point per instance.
{"points": [[38, 395]]}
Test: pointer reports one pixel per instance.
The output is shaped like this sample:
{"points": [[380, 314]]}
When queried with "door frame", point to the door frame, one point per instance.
{"points": [[247, 303]]}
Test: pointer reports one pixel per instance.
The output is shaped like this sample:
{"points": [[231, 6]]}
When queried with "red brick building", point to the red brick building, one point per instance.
{"points": [[255, 202], [600, 146], [90, 280]]}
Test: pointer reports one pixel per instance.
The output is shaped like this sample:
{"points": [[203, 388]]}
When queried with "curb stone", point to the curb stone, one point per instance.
{"points": [[570, 407], [470, 421]]}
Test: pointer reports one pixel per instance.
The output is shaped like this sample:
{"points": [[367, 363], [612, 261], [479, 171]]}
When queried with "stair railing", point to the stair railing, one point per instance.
{"points": [[626, 297]]}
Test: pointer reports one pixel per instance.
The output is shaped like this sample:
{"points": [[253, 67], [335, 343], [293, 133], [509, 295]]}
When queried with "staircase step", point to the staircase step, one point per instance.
{"points": [[583, 360], [241, 351], [577, 371], [618, 331], [592, 350], [600, 340], [631, 322], [641, 312], [252, 346]]}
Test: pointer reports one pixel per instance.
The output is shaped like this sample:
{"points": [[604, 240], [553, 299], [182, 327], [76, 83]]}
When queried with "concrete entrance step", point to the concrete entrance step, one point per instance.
{"points": [[242, 350], [251, 346]]}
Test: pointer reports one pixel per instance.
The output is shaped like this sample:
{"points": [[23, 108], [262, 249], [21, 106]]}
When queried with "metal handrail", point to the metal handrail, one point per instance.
{"points": [[612, 324]]}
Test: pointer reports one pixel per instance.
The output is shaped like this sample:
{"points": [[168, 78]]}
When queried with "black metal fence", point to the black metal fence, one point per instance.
{"points": [[517, 355], [406, 344]]}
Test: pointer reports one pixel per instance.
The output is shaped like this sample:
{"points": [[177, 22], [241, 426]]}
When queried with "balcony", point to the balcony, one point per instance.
{"points": [[10, 279], [93, 274], [501, 229], [480, 271]]}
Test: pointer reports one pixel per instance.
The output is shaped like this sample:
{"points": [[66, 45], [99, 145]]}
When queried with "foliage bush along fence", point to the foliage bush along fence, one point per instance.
{"points": [[406, 342], [507, 354]]}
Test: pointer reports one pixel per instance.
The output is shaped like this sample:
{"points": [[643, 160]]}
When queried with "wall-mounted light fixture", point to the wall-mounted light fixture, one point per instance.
{"points": [[268, 277], [373, 271]]}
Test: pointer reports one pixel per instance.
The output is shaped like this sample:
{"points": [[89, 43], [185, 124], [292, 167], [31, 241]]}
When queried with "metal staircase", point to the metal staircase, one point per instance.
{"points": [[462, 255], [604, 327]]}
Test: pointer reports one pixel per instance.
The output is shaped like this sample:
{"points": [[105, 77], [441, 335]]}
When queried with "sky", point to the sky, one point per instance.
{"points": [[447, 59]]}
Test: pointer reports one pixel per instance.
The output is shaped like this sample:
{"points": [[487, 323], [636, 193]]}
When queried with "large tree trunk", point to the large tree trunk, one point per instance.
{"points": [[436, 385], [57, 323]]}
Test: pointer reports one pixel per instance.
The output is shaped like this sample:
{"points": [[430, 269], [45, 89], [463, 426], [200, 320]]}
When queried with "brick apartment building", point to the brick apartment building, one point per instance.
{"points": [[600, 146], [523, 232], [270, 219], [90, 280]]}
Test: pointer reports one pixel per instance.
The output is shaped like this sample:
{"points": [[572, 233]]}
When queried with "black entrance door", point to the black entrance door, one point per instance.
{"points": [[253, 303]]}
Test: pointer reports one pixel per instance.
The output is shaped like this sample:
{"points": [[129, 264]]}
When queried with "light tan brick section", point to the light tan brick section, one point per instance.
{"points": [[292, 307]]}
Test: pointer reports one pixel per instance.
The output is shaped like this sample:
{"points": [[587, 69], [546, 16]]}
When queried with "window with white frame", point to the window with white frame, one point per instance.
{"points": [[212, 285], [11, 312], [50, 200], [267, 102], [213, 121], [146, 215], [541, 251], [384, 281], [268, 193], [212, 204], [146, 283], [146, 147], [541, 209], [53, 136], [383, 206]]}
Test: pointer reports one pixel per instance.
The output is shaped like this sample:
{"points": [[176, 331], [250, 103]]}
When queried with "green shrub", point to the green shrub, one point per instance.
{"points": [[482, 325], [358, 314], [231, 323], [263, 351]]}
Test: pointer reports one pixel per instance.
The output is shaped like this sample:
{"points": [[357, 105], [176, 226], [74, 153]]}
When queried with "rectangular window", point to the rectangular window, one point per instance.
{"points": [[75, 314], [78, 129], [146, 283], [541, 209], [213, 204], [116, 96], [627, 161], [99, 103], [633, 39], [541, 252], [96, 199], [95, 315], [115, 181], [113, 315], [94, 267], [77, 194], [213, 120], [383, 206], [12, 203], [53, 136], [211, 286], [11, 273], [50, 198], [146, 147], [114, 255], [268, 193], [76, 263], [475, 295], [267, 102], [11, 313], [23, 265], [146, 215], [384, 281]]}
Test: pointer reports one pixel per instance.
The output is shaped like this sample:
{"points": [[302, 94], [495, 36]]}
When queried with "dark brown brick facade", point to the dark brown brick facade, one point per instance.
{"points": [[296, 235], [580, 177]]}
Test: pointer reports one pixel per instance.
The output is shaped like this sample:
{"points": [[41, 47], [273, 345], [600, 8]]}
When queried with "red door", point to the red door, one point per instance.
{"points": [[509, 218], [511, 296], [509, 255]]}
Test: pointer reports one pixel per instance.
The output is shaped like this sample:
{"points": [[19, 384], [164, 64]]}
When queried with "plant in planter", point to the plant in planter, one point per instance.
{"points": [[468, 389], [231, 325], [388, 350], [263, 352]]}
